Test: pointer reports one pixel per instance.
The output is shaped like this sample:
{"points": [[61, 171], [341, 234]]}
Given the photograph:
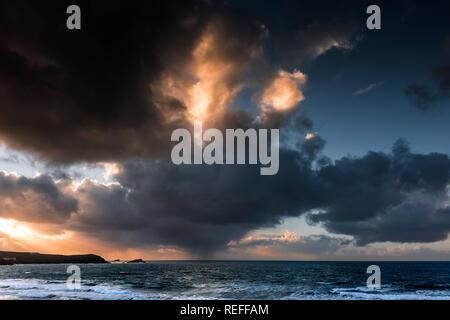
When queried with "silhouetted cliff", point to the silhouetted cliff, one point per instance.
{"points": [[7, 258]]}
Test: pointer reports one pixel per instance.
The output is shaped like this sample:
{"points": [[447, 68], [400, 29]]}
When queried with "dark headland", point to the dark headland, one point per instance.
{"points": [[136, 261], [9, 258]]}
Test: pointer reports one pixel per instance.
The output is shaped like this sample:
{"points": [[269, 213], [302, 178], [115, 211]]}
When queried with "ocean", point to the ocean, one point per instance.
{"points": [[228, 280]]}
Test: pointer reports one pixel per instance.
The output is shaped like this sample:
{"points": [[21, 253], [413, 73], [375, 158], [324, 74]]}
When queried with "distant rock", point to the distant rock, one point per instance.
{"points": [[8, 258], [136, 261]]}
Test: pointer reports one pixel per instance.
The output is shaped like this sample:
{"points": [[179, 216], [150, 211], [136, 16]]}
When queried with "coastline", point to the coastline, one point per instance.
{"points": [[11, 258]]}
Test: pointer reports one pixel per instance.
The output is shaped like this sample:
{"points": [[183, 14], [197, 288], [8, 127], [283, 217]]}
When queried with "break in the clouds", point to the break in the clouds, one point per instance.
{"points": [[289, 243], [324, 247]]}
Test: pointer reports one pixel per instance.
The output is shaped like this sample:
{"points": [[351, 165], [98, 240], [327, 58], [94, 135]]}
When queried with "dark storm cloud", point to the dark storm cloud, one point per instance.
{"points": [[379, 197], [311, 147], [399, 197], [442, 78], [426, 97], [85, 95], [418, 219], [37, 199], [421, 96], [202, 208], [308, 29], [302, 122], [88, 95], [319, 37]]}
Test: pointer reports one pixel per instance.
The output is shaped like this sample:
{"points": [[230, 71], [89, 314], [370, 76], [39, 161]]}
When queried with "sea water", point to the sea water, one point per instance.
{"points": [[228, 280]]}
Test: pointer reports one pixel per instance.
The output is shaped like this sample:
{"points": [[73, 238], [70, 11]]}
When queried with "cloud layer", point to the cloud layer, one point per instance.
{"points": [[116, 90], [397, 197]]}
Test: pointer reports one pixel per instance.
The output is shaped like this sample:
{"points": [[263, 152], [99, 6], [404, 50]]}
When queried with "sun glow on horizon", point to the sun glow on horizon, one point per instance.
{"points": [[17, 230]]}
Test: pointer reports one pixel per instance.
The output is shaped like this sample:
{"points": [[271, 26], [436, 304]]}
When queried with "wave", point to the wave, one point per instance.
{"points": [[390, 293], [235, 290], [43, 289]]}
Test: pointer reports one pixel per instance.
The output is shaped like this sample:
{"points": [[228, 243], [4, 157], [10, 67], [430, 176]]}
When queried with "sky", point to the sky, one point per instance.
{"points": [[87, 116]]}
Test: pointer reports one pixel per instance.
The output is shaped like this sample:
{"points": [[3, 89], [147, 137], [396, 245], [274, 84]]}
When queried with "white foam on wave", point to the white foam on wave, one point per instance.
{"points": [[390, 293], [43, 289]]}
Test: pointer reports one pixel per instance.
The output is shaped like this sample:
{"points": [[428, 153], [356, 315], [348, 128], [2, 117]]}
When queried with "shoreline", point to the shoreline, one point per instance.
{"points": [[13, 258]]}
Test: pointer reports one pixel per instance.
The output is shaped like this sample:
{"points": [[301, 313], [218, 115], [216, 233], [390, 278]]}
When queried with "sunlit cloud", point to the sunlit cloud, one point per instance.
{"points": [[207, 84], [310, 136], [111, 169], [284, 92]]}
